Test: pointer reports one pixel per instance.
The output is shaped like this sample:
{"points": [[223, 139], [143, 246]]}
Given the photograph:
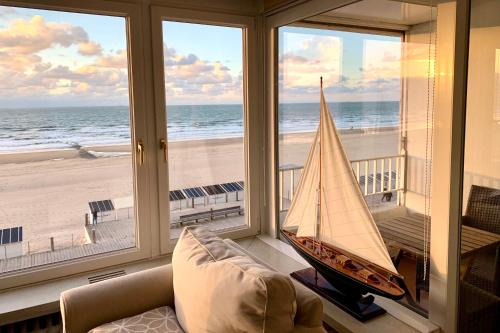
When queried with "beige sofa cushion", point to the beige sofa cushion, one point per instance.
{"points": [[159, 320], [218, 289]]}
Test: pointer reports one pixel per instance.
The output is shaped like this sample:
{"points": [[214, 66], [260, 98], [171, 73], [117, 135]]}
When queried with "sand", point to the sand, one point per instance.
{"points": [[47, 192]]}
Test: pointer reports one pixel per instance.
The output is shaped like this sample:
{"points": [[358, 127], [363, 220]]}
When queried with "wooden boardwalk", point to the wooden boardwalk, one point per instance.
{"points": [[110, 236], [113, 236], [232, 221]]}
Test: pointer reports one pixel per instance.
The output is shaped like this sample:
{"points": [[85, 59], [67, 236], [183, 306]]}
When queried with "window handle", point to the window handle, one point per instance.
{"points": [[163, 146], [140, 151]]}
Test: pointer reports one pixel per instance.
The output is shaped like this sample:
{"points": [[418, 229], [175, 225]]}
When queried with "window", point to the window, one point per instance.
{"points": [[205, 124], [361, 74], [208, 123], [66, 165], [379, 85]]}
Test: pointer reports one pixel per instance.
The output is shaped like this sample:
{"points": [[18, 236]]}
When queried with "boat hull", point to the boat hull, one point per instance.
{"points": [[354, 288]]}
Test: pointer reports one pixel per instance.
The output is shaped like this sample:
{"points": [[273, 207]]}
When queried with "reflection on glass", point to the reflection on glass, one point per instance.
{"points": [[480, 261], [66, 176], [204, 98], [384, 129], [496, 91]]}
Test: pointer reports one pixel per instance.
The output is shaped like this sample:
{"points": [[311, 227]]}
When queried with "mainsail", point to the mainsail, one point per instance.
{"points": [[345, 220]]}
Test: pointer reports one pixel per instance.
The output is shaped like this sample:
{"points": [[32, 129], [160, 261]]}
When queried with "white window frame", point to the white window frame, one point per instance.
{"points": [[138, 106], [252, 118], [443, 309]]}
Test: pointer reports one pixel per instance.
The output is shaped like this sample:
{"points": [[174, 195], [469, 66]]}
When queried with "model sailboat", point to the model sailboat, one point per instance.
{"points": [[329, 223]]}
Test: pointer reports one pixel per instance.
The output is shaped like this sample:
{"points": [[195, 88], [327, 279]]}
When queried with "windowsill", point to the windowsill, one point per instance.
{"points": [[398, 318], [41, 299]]}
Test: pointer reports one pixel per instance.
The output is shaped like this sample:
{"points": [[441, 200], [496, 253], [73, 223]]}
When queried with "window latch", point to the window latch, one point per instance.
{"points": [[140, 151], [163, 146]]}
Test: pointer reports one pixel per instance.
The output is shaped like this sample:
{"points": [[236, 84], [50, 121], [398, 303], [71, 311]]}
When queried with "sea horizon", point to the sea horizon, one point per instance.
{"points": [[70, 127]]}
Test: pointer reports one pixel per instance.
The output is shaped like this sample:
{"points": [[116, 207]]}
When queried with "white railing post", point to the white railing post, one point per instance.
{"points": [[357, 171], [374, 175], [390, 175], [292, 183], [281, 190], [382, 175], [398, 166], [366, 177]]}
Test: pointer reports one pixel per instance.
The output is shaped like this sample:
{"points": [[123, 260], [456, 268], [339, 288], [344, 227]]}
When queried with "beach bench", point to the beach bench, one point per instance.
{"points": [[210, 214]]}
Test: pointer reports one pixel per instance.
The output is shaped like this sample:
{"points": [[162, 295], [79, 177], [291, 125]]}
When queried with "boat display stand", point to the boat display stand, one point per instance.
{"points": [[361, 308]]}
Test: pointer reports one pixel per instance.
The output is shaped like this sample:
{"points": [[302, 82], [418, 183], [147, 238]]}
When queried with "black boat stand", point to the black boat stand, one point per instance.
{"points": [[350, 300]]}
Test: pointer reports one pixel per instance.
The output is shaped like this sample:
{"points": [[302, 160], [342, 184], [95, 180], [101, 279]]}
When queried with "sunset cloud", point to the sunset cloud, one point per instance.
{"points": [[310, 57], [317, 56], [190, 79], [90, 48], [117, 60], [27, 71], [55, 62], [50, 61], [33, 35]]}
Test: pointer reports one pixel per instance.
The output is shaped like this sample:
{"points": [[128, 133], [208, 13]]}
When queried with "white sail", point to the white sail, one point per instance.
{"points": [[303, 212], [345, 220]]}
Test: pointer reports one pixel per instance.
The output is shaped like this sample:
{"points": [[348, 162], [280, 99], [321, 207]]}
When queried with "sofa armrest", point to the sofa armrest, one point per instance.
{"points": [[309, 307], [87, 307]]}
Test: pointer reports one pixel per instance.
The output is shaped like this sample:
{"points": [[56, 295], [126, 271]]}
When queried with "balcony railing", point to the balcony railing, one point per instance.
{"points": [[391, 167]]}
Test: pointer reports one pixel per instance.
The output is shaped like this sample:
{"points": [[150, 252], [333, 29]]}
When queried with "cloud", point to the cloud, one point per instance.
{"points": [[57, 62], [191, 79], [317, 56], [26, 74], [117, 60], [377, 78], [90, 48], [33, 35], [290, 58]]}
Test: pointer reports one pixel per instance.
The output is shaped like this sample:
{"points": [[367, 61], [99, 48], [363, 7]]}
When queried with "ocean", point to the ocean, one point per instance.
{"points": [[66, 127]]}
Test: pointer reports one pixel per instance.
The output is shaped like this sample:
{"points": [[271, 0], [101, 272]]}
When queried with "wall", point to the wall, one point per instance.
{"points": [[418, 99], [441, 166]]}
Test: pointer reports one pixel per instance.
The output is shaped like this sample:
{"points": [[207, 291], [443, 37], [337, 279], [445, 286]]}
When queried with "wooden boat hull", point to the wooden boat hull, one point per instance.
{"points": [[348, 285]]}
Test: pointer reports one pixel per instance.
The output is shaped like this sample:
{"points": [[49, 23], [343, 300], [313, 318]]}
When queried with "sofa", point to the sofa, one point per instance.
{"points": [[202, 301]]}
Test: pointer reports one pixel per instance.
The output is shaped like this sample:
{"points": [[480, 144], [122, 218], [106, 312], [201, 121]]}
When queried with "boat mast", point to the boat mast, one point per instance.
{"points": [[318, 225]]}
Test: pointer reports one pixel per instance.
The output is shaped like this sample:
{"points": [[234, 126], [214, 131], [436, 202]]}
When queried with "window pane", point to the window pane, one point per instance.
{"points": [[204, 98], [66, 174], [384, 125], [480, 260]]}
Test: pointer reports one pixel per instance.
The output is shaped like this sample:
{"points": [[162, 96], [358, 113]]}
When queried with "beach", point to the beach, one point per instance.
{"points": [[47, 192]]}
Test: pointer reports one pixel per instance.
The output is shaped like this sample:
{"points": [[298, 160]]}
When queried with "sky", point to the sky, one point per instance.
{"points": [[50, 58], [354, 66]]}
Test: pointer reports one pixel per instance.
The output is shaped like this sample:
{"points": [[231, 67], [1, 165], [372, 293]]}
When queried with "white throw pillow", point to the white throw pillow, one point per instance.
{"points": [[218, 289]]}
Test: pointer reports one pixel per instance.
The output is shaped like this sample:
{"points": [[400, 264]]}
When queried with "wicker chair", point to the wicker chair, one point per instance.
{"points": [[478, 310], [483, 209], [483, 212]]}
